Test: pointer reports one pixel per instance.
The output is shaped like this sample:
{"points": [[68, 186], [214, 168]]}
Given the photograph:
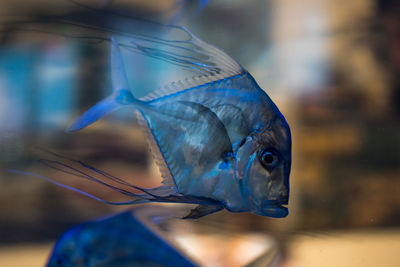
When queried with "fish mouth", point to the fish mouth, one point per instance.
{"points": [[274, 209]]}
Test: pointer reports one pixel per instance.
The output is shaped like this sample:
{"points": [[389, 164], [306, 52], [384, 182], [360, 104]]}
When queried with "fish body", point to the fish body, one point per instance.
{"points": [[222, 143], [216, 136], [204, 130]]}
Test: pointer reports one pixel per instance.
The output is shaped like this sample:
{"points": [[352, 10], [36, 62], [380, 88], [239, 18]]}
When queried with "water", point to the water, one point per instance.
{"points": [[327, 68]]}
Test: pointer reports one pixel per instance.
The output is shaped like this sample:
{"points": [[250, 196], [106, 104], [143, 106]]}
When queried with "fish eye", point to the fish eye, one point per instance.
{"points": [[268, 158]]}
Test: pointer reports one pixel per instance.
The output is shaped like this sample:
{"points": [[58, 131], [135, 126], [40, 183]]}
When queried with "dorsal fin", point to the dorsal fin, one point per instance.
{"points": [[210, 63], [182, 85], [174, 45]]}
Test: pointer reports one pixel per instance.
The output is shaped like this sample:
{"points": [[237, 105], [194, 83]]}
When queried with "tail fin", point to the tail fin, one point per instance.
{"points": [[121, 96]]}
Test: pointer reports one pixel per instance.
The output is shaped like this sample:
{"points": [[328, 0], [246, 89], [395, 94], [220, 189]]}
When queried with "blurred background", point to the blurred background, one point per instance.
{"points": [[332, 68]]}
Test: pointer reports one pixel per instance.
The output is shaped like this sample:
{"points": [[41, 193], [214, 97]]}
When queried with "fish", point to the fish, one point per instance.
{"points": [[148, 235], [218, 139], [125, 239]]}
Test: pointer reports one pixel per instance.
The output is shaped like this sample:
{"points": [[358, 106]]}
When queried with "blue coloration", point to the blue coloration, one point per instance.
{"points": [[124, 97], [207, 131], [194, 129], [121, 240]]}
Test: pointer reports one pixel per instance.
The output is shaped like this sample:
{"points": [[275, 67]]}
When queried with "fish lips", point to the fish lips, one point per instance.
{"points": [[274, 209]]}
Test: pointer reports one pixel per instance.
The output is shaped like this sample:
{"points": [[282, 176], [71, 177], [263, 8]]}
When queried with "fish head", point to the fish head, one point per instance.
{"points": [[263, 168]]}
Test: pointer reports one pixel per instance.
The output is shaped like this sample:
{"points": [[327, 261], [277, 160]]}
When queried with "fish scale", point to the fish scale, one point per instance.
{"points": [[216, 136]]}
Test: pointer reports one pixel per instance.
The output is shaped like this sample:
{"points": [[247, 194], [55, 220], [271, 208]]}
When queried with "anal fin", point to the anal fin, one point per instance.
{"points": [[202, 210]]}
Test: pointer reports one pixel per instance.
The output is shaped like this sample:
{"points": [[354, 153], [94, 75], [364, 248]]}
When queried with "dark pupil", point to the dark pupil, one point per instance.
{"points": [[268, 158]]}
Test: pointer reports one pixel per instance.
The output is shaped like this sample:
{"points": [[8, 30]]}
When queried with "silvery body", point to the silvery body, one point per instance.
{"points": [[216, 136], [223, 143], [213, 138]]}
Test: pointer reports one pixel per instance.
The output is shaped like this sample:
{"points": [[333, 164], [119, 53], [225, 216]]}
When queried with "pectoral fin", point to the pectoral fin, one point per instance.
{"points": [[191, 139], [202, 210]]}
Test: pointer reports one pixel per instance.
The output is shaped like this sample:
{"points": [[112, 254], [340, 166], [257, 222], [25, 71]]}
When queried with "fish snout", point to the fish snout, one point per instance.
{"points": [[273, 205], [276, 194], [281, 194], [278, 191]]}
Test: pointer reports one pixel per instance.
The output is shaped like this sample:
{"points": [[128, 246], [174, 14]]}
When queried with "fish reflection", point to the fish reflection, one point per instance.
{"points": [[217, 138], [119, 240]]}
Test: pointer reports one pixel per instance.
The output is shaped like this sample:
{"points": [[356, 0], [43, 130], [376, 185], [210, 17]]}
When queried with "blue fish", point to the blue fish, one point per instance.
{"points": [[216, 136], [125, 239]]}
